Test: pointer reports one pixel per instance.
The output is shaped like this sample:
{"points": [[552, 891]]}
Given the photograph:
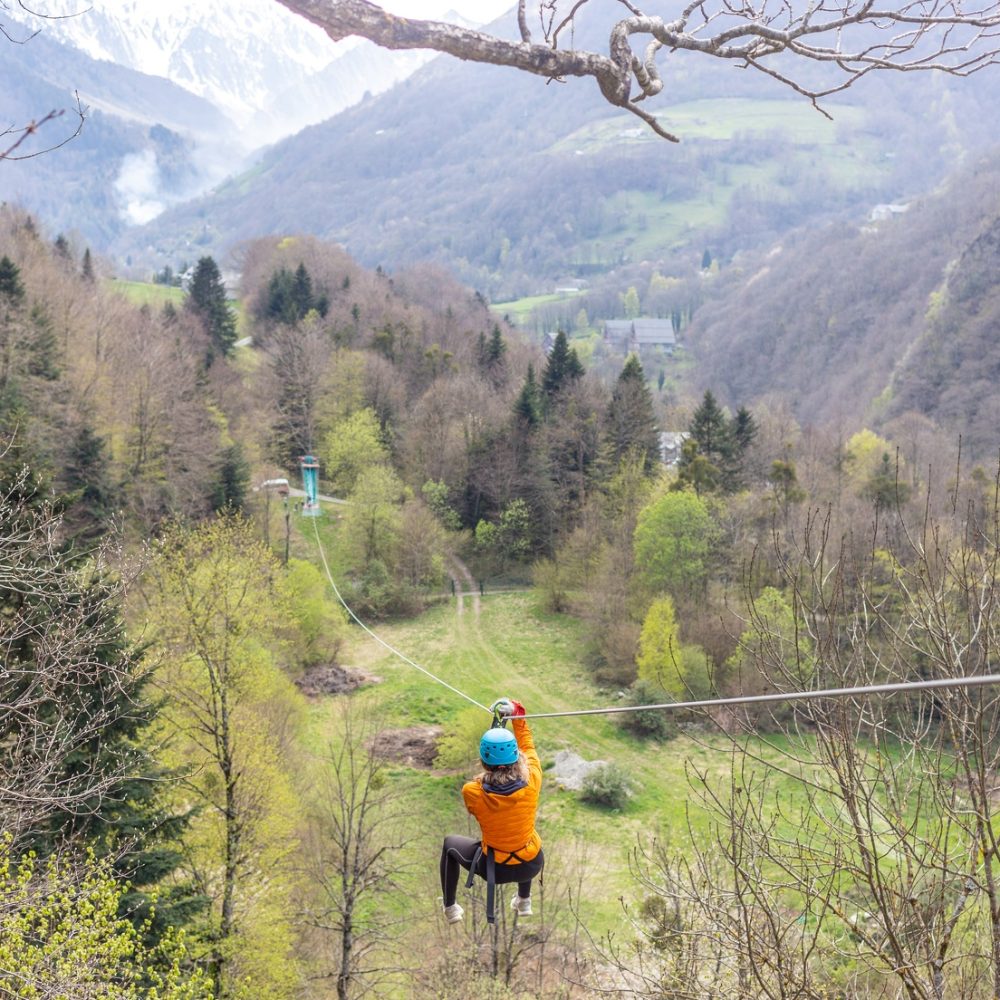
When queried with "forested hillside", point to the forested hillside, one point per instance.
{"points": [[221, 789], [516, 186], [867, 322]]}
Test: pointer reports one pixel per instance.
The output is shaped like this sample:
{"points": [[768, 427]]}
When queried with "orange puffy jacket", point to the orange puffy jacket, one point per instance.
{"points": [[507, 820]]}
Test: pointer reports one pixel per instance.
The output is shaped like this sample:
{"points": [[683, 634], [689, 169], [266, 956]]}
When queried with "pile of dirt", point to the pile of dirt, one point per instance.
{"points": [[415, 747], [333, 679]]}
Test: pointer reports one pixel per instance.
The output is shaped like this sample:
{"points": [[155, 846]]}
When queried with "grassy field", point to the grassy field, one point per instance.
{"points": [[514, 647], [519, 309], [143, 293]]}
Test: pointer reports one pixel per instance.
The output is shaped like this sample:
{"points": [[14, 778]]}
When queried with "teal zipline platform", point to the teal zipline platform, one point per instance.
{"points": [[310, 484]]}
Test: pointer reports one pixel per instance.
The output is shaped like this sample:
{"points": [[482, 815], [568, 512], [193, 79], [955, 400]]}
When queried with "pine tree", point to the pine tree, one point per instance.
{"points": [[11, 324], [562, 367], [207, 300], [233, 480], [90, 493], [493, 356], [528, 407], [710, 430], [61, 247], [74, 773], [11, 289], [302, 292], [631, 420], [87, 268]]}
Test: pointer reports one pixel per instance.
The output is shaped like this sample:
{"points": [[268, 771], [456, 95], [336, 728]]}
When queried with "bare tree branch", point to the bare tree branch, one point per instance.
{"points": [[25, 131], [853, 36]]}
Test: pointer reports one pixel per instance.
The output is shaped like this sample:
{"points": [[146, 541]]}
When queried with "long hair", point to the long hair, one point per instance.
{"points": [[505, 774]]}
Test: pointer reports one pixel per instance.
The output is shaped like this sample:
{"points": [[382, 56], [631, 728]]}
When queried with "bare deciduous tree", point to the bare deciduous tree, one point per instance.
{"points": [[858, 851], [352, 850], [15, 136], [853, 36], [64, 679]]}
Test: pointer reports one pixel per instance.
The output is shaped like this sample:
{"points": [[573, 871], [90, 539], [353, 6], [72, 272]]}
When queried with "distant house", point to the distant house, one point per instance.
{"points": [[671, 443], [882, 212], [631, 334]]}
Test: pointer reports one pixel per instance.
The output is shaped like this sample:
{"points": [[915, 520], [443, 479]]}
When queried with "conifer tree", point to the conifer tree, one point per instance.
{"points": [[207, 300], [11, 321], [302, 291], [492, 356], [11, 289], [90, 493], [87, 267], [72, 707], [562, 367], [631, 421], [61, 247], [528, 406], [233, 480]]}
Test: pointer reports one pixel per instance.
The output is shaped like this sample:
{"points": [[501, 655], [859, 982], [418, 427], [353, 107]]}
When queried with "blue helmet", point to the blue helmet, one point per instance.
{"points": [[498, 747]]}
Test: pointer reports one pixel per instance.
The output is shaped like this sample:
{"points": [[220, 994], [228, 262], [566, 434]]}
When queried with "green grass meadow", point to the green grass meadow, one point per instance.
{"points": [[144, 293], [516, 648]]}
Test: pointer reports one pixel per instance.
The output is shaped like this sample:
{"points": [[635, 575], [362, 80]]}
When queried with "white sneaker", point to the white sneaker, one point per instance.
{"points": [[522, 907], [453, 913]]}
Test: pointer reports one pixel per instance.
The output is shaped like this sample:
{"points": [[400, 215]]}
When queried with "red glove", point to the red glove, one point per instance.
{"points": [[518, 708]]}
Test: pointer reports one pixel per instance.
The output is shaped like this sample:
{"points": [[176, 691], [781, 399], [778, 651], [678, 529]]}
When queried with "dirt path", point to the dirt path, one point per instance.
{"points": [[465, 586]]}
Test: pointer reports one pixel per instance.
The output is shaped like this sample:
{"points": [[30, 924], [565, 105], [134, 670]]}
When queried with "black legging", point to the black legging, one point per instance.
{"points": [[458, 852]]}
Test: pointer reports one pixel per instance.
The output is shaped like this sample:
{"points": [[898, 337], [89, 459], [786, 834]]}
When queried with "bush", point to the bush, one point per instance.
{"points": [[655, 724], [607, 785], [458, 747]]}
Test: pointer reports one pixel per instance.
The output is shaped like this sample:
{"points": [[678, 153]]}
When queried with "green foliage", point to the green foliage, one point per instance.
{"points": [[783, 477], [91, 494], [61, 936], [233, 480], [216, 606], [207, 300], [290, 296], [509, 540], [435, 495], [631, 424], [630, 302], [354, 446], [374, 519], [673, 541], [607, 785], [713, 455], [553, 580], [528, 406], [774, 650], [458, 745], [656, 724], [492, 356], [659, 646], [320, 624], [682, 671], [561, 369]]}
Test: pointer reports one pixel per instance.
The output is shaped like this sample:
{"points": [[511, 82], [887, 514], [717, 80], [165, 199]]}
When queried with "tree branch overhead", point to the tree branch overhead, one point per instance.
{"points": [[851, 36]]}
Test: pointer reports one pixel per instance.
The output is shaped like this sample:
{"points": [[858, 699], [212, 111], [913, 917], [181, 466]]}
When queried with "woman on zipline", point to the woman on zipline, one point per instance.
{"points": [[504, 799]]}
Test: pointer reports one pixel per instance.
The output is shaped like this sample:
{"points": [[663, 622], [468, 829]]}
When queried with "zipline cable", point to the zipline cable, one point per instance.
{"points": [[763, 699], [939, 683], [392, 649]]}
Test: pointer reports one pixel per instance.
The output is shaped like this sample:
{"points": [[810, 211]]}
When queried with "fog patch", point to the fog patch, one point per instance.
{"points": [[138, 186]]}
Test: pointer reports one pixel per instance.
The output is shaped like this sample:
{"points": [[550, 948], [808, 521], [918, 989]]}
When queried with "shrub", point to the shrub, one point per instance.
{"points": [[655, 724], [607, 785]]}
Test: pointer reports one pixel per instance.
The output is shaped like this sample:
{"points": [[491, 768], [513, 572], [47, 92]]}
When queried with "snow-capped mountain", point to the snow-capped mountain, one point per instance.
{"points": [[271, 73]]}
